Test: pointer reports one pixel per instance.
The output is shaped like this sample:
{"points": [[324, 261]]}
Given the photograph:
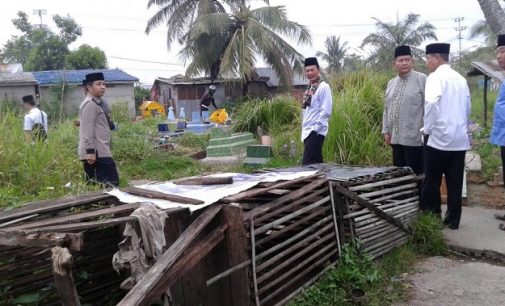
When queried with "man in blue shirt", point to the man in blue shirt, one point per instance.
{"points": [[498, 131], [317, 105]]}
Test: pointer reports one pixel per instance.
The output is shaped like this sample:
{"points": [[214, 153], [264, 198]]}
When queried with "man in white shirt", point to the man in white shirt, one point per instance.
{"points": [[317, 106], [446, 112], [35, 121]]}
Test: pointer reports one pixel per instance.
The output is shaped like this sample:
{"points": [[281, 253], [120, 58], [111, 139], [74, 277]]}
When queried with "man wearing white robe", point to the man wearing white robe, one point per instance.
{"points": [[446, 113]]}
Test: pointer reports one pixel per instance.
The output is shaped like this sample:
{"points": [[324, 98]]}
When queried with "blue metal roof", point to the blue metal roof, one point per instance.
{"points": [[76, 76]]}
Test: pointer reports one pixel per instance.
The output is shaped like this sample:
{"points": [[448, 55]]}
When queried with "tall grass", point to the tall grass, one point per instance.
{"points": [[271, 115], [354, 135]]}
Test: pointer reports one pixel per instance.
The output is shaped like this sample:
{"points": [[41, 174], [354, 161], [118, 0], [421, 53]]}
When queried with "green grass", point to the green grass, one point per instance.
{"points": [[51, 170], [381, 279]]}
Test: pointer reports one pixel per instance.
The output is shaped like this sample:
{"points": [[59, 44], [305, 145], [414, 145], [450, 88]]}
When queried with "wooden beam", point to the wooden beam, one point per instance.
{"points": [[45, 240], [486, 79], [204, 181], [63, 278], [143, 292], [236, 248], [151, 194]]}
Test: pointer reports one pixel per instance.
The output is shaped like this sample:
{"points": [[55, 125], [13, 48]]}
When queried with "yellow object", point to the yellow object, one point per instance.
{"points": [[219, 116], [152, 109]]}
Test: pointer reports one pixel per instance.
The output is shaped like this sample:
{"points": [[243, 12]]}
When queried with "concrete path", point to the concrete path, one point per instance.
{"points": [[478, 234], [451, 282]]}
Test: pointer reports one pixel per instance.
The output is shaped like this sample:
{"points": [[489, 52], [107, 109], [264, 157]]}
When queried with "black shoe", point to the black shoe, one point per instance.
{"points": [[446, 221], [453, 226]]}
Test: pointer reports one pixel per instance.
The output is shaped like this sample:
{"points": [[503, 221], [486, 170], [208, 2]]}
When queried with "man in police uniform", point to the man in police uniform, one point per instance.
{"points": [[446, 113], [94, 134]]}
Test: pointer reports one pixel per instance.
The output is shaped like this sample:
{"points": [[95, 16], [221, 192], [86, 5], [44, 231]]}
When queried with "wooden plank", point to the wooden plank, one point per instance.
{"points": [[143, 291], [81, 226], [18, 220], [160, 195], [63, 278], [297, 194], [251, 193], [382, 183], [204, 181], [371, 207], [18, 238], [53, 205], [236, 248], [79, 217]]}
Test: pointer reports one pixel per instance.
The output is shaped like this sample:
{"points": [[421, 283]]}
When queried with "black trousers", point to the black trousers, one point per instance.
{"points": [[503, 162], [104, 171], [452, 165], [408, 156], [313, 149]]}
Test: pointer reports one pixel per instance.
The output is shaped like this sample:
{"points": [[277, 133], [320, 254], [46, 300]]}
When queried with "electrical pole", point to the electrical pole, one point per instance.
{"points": [[40, 12], [460, 29]]}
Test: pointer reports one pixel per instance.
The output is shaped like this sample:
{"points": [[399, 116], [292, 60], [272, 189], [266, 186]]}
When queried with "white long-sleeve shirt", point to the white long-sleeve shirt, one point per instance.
{"points": [[446, 110], [34, 116], [315, 116]]}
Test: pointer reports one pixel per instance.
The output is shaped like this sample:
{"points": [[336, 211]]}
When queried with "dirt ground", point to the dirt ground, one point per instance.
{"points": [[485, 195], [454, 282]]}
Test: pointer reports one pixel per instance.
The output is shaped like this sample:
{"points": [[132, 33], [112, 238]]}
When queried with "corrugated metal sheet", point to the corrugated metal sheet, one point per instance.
{"points": [[76, 76], [491, 69], [273, 78], [18, 78]]}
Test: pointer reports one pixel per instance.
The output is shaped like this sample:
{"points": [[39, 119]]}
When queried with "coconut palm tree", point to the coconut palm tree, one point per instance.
{"points": [[390, 35], [481, 29], [335, 54], [242, 35]]}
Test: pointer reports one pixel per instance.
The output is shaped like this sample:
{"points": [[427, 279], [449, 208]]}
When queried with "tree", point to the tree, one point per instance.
{"points": [[38, 47], [353, 62], [482, 29], [390, 35], [494, 14], [218, 42], [47, 55], [86, 57], [248, 33], [335, 54]]}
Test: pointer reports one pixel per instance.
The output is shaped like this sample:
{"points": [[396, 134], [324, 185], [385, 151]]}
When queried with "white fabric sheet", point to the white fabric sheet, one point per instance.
{"points": [[208, 194]]}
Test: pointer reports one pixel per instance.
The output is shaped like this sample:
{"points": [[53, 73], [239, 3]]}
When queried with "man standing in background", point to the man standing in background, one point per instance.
{"points": [[403, 112], [317, 106], [35, 121], [446, 113]]}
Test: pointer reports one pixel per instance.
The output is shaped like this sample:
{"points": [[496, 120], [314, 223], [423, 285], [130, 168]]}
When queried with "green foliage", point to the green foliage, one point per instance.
{"points": [[427, 237], [140, 93], [354, 135], [86, 57], [40, 48], [271, 115], [119, 112], [191, 140]]}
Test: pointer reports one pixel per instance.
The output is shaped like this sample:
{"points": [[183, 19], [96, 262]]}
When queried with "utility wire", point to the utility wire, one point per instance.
{"points": [[144, 61]]}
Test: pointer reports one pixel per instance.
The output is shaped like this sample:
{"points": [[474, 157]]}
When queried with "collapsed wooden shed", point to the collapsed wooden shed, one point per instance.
{"points": [[258, 247]]}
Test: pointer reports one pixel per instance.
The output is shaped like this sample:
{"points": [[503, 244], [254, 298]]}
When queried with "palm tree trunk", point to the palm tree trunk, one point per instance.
{"points": [[494, 14]]}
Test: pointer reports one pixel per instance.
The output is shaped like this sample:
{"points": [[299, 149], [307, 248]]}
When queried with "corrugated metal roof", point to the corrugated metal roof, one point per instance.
{"points": [[273, 79], [491, 69], [17, 78], [76, 76]]}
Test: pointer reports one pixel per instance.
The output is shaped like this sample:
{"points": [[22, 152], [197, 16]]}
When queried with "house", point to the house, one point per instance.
{"points": [[181, 92], [13, 86], [120, 88]]}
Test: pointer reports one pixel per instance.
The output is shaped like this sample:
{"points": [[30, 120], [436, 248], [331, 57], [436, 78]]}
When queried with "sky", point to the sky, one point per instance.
{"points": [[117, 26]]}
